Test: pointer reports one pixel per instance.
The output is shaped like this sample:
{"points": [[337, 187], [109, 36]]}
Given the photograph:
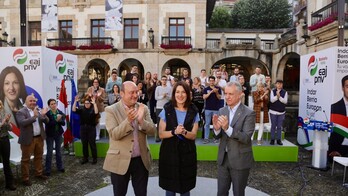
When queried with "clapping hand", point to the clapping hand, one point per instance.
{"points": [[140, 114], [216, 124], [43, 111], [77, 98], [131, 114]]}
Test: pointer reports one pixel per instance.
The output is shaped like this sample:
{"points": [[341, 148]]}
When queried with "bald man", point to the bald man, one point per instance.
{"points": [[128, 123], [32, 135]]}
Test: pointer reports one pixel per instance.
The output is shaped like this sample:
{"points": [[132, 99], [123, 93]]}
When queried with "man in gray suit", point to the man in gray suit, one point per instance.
{"points": [[234, 124], [31, 138]]}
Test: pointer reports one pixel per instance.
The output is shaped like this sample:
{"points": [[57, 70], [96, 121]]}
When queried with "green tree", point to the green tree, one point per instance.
{"points": [[261, 14], [221, 18]]}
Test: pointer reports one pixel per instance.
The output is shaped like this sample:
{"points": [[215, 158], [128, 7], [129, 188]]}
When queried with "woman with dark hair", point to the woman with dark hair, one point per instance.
{"points": [[5, 147], [142, 94], [88, 122], [178, 130], [99, 95], [114, 96], [54, 131], [13, 91]]}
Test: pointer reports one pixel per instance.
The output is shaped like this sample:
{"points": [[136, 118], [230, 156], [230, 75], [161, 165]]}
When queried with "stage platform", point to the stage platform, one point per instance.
{"points": [[208, 152], [204, 186]]}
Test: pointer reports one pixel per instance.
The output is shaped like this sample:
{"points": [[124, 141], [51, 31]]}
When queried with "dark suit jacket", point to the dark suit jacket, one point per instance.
{"points": [[239, 145], [25, 123], [335, 141]]}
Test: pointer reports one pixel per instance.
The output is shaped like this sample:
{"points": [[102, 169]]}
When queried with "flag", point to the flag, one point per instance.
{"points": [[62, 106], [74, 118]]}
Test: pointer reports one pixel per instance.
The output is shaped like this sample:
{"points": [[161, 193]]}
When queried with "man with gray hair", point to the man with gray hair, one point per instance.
{"points": [[234, 124]]}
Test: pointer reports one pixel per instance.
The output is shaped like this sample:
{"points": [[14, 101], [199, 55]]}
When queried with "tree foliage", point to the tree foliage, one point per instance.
{"points": [[261, 14], [221, 18]]}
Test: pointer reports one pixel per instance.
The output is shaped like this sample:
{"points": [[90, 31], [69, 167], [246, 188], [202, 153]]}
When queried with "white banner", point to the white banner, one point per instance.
{"points": [[113, 14], [320, 86], [49, 16], [34, 70]]}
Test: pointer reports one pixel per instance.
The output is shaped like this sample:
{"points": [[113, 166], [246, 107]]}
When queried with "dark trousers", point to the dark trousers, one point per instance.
{"points": [[140, 177], [5, 150], [152, 109], [228, 175], [57, 140], [88, 134]]}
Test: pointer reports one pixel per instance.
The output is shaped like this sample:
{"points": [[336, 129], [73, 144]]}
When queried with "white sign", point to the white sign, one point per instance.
{"points": [[320, 87], [33, 70]]}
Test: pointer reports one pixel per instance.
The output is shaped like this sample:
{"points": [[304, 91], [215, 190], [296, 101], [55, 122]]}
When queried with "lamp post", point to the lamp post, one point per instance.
{"points": [[4, 40], [152, 38]]}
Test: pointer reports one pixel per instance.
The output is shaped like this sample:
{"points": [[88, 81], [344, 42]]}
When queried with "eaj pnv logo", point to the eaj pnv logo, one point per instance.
{"points": [[312, 65], [20, 56], [60, 63]]}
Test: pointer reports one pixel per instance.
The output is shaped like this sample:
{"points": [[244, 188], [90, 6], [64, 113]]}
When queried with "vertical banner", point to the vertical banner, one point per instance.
{"points": [[113, 14], [33, 70], [317, 75], [49, 16], [321, 92]]}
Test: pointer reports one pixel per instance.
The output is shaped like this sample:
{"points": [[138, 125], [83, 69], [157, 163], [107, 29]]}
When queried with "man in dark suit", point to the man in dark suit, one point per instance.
{"points": [[31, 138], [338, 144], [234, 124]]}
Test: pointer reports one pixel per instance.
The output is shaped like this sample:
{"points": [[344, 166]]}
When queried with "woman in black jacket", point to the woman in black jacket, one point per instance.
{"points": [[178, 130], [54, 132]]}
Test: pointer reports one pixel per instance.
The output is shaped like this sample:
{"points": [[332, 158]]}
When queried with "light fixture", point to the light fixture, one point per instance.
{"points": [[305, 37], [4, 40], [151, 37]]}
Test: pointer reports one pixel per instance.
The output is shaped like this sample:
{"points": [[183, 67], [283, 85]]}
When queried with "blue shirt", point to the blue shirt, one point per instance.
{"points": [[180, 115]]}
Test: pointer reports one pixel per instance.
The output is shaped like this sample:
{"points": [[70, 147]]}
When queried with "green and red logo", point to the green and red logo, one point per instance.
{"points": [[312, 65], [20, 56], [60, 63]]}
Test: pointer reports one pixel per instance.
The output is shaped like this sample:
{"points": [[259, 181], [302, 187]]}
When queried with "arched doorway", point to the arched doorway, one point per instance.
{"points": [[98, 68], [126, 66], [246, 66], [290, 64], [176, 67]]}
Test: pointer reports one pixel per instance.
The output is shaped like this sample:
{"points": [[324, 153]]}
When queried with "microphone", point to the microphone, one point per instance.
{"points": [[325, 116]]}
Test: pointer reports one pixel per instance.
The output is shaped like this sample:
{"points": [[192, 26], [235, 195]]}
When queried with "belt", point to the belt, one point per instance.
{"points": [[37, 136]]}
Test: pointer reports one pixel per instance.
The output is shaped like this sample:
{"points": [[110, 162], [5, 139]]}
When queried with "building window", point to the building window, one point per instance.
{"points": [[97, 31], [34, 33], [131, 33], [176, 31], [65, 32], [176, 27]]}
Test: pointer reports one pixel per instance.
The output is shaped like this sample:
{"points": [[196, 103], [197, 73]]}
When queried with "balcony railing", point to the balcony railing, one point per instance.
{"points": [[97, 43], [300, 6], [180, 42], [325, 15], [213, 43]]}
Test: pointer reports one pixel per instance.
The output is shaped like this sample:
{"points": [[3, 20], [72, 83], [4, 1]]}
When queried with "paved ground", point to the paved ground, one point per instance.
{"points": [[271, 178]]}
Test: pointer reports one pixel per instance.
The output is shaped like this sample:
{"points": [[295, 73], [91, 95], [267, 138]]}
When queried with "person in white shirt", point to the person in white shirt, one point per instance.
{"points": [[163, 94], [170, 78], [204, 77], [256, 78], [235, 75]]}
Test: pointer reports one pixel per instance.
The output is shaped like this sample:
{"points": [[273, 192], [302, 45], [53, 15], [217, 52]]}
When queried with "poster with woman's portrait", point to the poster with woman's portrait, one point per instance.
{"points": [[113, 14]]}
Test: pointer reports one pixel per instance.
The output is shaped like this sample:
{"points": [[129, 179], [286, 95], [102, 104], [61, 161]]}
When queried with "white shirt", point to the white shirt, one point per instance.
{"points": [[274, 98], [232, 111], [36, 126]]}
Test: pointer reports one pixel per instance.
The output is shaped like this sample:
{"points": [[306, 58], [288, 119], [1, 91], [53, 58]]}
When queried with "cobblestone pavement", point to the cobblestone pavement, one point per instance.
{"points": [[271, 178]]}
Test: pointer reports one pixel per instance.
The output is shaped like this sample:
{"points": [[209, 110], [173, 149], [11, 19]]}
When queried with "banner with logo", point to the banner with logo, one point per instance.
{"points": [[320, 86], [113, 14], [33, 70], [49, 16]]}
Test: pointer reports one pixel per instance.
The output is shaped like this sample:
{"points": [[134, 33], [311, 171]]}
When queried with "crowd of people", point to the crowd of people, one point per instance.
{"points": [[179, 106]]}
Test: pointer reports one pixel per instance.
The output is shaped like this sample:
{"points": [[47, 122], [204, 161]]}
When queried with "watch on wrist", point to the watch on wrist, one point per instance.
{"points": [[173, 131]]}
